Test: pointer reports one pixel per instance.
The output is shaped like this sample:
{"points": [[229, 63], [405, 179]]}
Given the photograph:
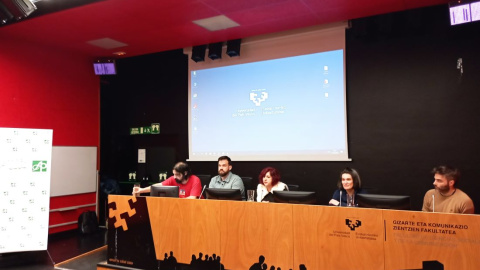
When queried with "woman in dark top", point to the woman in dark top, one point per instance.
{"points": [[349, 185]]}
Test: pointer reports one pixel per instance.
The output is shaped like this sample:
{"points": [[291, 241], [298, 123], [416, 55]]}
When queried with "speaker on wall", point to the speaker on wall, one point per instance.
{"points": [[198, 53], [215, 50], [5, 14], [233, 47]]}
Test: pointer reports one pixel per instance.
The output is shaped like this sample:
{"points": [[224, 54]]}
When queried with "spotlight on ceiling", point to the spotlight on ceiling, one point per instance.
{"points": [[198, 53], [233, 47], [15, 9], [215, 50]]}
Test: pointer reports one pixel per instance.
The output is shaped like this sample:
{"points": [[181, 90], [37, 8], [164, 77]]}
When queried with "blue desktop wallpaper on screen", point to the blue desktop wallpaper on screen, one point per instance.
{"points": [[293, 104]]}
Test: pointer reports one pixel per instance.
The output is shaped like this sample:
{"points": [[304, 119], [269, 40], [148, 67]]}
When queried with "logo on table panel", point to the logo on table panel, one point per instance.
{"points": [[39, 166], [353, 224]]}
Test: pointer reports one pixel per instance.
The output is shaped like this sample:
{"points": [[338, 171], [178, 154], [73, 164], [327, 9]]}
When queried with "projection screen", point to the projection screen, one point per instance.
{"points": [[282, 99]]}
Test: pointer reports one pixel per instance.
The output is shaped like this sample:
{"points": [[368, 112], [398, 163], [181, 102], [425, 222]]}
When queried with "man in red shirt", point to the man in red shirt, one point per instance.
{"points": [[189, 185]]}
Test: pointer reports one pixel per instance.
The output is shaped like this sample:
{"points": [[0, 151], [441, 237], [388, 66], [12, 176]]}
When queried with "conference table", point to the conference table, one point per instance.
{"points": [[154, 232]]}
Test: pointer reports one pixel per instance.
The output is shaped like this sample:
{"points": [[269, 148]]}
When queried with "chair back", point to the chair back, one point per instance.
{"points": [[248, 182], [204, 179]]}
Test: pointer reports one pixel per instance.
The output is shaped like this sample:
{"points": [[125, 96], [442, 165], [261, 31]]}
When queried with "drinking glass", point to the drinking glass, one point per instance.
{"points": [[250, 195], [350, 200]]}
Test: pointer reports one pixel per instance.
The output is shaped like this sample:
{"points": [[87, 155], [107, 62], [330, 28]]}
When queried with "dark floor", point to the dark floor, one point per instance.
{"points": [[66, 250]]}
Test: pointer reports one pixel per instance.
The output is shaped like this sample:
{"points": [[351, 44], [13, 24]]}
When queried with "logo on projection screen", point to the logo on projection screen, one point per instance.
{"points": [[258, 101]]}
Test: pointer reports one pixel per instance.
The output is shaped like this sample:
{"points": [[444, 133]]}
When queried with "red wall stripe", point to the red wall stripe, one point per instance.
{"points": [[72, 200], [47, 88]]}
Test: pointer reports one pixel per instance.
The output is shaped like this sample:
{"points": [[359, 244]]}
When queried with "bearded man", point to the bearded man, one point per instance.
{"points": [[225, 178], [446, 197]]}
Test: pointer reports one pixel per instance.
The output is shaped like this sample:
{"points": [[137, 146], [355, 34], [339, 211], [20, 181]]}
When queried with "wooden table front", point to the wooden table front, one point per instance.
{"points": [[318, 237]]}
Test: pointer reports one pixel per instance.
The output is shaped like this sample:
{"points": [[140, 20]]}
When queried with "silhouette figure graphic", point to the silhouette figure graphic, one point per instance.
{"points": [[258, 266], [261, 265]]}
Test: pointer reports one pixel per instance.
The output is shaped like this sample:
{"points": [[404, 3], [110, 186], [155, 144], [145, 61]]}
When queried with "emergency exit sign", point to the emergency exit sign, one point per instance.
{"points": [[153, 129]]}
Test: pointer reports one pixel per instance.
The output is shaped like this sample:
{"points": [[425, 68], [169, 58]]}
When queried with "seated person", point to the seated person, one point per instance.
{"points": [[189, 186], [446, 197], [225, 178], [348, 184], [268, 181]]}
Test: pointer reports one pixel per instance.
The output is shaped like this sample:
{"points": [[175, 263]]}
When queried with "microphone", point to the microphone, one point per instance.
{"points": [[433, 202], [205, 186], [340, 204]]}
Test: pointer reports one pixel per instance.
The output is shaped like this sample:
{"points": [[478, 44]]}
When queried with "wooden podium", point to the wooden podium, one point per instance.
{"points": [[146, 232]]}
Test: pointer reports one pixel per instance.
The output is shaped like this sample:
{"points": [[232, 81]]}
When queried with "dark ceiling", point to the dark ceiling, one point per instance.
{"points": [[148, 26]]}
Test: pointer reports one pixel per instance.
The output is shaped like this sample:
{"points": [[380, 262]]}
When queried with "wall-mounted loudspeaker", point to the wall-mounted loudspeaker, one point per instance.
{"points": [[215, 50], [198, 53], [233, 47], [5, 14]]}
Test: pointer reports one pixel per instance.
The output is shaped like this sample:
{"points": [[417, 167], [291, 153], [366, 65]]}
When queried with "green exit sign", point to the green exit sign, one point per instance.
{"points": [[153, 129]]}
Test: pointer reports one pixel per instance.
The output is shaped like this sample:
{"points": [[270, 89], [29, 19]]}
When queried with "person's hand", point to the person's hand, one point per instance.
{"points": [[333, 202], [136, 190]]}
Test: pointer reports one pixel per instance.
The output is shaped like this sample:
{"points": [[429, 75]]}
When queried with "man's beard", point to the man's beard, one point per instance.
{"points": [[222, 173], [179, 181], [444, 189]]}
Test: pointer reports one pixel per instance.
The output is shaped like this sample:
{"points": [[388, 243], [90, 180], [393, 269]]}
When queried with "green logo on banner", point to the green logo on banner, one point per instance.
{"points": [[39, 166]]}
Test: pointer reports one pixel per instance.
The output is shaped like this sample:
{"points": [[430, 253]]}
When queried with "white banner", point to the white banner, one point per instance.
{"points": [[25, 163]]}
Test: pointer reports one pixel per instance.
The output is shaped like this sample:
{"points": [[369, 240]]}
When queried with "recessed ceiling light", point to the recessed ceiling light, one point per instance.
{"points": [[107, 43], [120, 53], [216, 23]]}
